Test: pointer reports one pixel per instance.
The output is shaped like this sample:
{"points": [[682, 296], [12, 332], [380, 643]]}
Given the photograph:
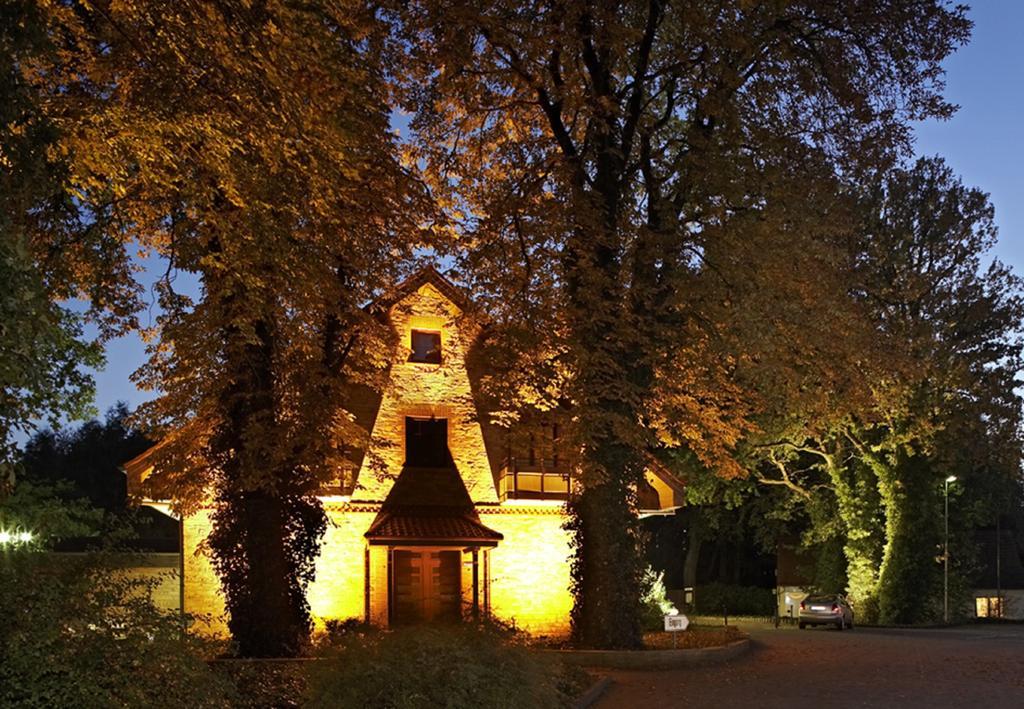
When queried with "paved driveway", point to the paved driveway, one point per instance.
{"points": [[971, 666]]}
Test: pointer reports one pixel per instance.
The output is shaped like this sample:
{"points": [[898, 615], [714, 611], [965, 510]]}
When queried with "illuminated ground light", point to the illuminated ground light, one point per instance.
{"points": [[13, 538]]}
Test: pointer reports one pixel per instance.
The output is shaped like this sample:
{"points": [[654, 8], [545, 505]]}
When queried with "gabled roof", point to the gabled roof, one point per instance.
{"points": [[135, 469], [666, 475], [426, 274]]}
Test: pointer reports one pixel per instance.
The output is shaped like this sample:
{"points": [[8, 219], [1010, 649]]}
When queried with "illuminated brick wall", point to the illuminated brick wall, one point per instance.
{"points": [[202, 587], [337, 593], [418, 389], [339, 590], [530, 569], [160, 573]]}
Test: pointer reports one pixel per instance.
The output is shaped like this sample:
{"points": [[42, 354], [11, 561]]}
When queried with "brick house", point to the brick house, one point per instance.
{"points": [[446, 515]]}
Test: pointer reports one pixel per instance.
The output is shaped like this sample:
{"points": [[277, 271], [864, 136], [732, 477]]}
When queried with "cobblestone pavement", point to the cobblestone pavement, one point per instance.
{"points": [[969, 666]]}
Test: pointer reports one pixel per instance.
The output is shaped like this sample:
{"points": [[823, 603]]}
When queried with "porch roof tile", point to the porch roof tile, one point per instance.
{"points": [[424, 524]]}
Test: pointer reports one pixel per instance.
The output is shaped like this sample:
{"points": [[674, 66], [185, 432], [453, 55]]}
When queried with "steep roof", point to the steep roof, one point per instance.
{"points": [[430, 505], [424, 275], [430, 525]]}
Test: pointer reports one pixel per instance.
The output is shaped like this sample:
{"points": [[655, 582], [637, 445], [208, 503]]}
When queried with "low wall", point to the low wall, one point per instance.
{"points": [[652, 659], [160, 570]]}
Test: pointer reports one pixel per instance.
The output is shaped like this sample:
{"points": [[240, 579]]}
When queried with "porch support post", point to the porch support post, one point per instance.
{"points": [[487, 583], [476, 584]]}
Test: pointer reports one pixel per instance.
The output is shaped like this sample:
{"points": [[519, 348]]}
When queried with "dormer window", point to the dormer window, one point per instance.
{"points": [[426, 347]]}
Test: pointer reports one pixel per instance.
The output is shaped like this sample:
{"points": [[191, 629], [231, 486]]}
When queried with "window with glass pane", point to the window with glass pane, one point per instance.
{"points": [[426, 347], [990, 607]]}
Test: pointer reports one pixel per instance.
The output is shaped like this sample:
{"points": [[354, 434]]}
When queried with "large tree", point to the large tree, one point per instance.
{"points": [[51, 251], [958, 318], [944, 404], [620, 169], [247, 144]]}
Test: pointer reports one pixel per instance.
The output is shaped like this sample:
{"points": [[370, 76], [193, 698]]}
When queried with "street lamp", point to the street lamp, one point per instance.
{"points": [[945, 555]]}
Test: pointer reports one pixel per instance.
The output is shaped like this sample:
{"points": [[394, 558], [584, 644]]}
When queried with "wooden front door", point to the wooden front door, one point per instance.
{"points": [[425, 586]]}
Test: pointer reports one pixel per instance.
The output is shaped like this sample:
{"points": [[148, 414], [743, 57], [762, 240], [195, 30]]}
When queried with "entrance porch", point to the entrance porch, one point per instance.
{"points": [[437, 585], [437, 555]]}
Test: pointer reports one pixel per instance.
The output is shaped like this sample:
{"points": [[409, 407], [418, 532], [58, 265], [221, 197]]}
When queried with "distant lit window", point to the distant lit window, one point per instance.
{"points": [[426, 347], [988, 607]]}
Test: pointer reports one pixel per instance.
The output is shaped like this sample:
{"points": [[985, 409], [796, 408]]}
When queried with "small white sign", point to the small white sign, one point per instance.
{"points": [[675, 623]]}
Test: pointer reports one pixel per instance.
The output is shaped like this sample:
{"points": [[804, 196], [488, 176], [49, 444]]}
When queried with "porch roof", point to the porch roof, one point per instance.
{"points": [[419, 525], [430, 506]]}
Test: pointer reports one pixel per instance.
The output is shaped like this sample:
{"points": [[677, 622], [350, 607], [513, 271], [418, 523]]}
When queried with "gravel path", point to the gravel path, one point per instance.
{"points": [[970, 666]]}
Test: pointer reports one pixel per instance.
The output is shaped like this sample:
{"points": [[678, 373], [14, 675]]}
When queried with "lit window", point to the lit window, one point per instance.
{"points": [[988, 607], [426, 347]]}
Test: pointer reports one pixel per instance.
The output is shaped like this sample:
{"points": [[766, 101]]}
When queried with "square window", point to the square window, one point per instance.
{"points": [[426, 347]]}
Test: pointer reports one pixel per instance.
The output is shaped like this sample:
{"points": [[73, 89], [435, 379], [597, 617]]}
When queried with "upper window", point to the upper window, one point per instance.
{"points": [[426, 347]]}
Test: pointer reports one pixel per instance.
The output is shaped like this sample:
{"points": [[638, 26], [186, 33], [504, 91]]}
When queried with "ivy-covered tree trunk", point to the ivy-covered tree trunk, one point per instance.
{"points": [[607, 563], [908, 576], [266, 617], [858, 504], [265, 533]]}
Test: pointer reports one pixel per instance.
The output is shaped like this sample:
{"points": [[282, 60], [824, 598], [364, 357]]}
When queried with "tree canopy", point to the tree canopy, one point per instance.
{"points": [[626, 172], [250, 145], [52, 249], [691, 223], [947, 403]]}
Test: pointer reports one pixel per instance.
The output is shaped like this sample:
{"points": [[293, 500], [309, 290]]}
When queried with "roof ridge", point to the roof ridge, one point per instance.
{"points": [[427, 273]]}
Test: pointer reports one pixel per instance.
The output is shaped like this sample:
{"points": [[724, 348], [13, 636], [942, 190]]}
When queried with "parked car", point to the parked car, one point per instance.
{"points": [[825, 610]]}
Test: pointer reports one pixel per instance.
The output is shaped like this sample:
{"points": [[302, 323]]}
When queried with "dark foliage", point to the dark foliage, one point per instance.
{"points": [[459, 667], [89, 458], [719, 598], [265, 548], [608, 554]]}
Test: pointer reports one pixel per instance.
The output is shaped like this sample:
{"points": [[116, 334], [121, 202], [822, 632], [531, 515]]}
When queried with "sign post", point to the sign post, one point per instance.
{"points": [[674, 624]]}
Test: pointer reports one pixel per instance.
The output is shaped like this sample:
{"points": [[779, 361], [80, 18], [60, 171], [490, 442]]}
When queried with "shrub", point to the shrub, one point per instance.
{"points": [[712, 598], [457, 667], [656, 604], [77, 632]]}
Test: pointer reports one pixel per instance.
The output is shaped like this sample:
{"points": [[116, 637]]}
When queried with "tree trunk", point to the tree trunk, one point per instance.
{"points": [[256, 528], [607, 567], [266, 619], [858, 502], [909, 577]]}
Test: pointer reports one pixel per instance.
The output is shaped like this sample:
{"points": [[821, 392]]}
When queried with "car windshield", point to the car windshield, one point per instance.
{"points": [[821, 599]]}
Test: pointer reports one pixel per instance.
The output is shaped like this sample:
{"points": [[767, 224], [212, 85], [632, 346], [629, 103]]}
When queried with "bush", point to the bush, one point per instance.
{"points": [[656, 604], [457, 667], [712, 598], [79, 632]]}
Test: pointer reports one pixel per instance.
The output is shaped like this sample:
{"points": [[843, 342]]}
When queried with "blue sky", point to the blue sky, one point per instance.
{"points": [[982, 142]]}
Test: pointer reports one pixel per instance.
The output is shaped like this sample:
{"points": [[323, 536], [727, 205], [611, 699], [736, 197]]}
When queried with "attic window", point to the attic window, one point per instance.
{"points": [[426, 347]]}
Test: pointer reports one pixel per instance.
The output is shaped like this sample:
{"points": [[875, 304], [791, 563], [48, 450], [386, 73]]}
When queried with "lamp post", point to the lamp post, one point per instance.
{"points": [[945, 555]]}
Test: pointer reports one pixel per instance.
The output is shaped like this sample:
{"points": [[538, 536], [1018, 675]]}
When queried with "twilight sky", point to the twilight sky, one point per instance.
{"points": [[982, 142]]}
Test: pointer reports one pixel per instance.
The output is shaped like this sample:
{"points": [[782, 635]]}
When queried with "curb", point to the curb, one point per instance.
{"points": [[590, 697], [928, 626], [652, 659]]}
